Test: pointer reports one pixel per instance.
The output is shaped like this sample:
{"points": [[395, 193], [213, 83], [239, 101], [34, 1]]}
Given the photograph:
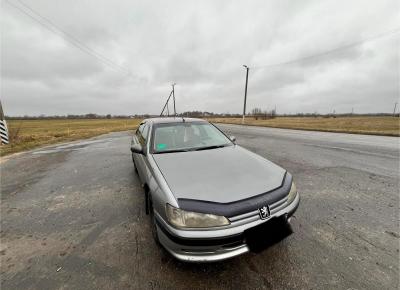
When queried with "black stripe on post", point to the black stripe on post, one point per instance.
{"points": [[3, 132]]}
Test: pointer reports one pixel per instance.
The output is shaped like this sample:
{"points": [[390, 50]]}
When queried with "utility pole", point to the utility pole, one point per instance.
{"points": [[173, 95], [394, 110], [245, 92]]}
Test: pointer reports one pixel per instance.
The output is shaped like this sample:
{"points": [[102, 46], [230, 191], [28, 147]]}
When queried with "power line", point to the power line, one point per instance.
{"points": [[336, 49], [51, 26]]}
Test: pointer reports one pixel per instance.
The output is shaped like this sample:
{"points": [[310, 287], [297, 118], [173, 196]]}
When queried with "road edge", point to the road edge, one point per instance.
{"points": [[305, 129], [7, 157]]}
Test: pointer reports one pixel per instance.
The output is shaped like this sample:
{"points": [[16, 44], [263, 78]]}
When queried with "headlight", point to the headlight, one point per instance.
{"points": [[187, 219], [292, 193]]}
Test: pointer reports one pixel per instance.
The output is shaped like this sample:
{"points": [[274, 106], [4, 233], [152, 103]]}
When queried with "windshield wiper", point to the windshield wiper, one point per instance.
{"points": [[172, 151], [210, 147], [191, 149]]}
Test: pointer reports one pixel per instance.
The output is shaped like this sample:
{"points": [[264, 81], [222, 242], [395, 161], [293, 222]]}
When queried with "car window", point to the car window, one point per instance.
{"points": [[139, 130], [187, 136], [145, 132], [142, 134]]}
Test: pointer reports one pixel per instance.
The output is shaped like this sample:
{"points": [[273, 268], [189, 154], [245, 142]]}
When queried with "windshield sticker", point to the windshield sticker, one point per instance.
{"points": [[161, 146]]}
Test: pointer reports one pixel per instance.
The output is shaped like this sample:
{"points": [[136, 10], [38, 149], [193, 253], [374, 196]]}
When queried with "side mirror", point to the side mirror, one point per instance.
{"points": [[233, 138], [137, 148]]}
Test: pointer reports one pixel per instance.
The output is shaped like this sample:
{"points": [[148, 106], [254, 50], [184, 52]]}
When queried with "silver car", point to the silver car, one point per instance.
{"points": [[208, 198]]}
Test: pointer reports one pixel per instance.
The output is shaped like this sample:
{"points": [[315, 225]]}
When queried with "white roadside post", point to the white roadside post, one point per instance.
{"points": [[3, 127]]}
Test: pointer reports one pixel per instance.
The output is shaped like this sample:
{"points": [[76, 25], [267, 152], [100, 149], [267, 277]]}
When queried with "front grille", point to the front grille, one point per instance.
{"points": [[255, 214]]}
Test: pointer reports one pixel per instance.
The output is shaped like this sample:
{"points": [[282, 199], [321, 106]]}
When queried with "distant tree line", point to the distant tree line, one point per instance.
{"points": [[269, 114], [257, 113], [334, 115], [260, 114], [200, 114], [84, 116]]}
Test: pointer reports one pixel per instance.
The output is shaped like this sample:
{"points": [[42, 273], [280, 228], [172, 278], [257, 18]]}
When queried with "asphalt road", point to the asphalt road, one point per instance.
{"points": [[72, 217]]}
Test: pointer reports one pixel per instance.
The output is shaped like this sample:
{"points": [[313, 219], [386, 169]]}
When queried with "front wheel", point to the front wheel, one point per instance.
{"points": [[153, 221], [133, 160]]}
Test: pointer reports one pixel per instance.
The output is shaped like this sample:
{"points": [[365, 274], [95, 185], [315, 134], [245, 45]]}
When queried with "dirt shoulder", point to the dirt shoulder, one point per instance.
{"points": [[29, 134]]}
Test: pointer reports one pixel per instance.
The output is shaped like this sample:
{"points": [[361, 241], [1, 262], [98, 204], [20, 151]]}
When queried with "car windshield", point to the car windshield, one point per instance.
{"points": [[190, 136]]}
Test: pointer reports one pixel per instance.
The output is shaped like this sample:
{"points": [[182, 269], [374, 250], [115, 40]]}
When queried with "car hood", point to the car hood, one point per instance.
{"points": [[219, 175]]}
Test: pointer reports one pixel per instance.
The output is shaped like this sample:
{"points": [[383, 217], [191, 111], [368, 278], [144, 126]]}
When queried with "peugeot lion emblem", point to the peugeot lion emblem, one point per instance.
{"points": [[264, 212]]}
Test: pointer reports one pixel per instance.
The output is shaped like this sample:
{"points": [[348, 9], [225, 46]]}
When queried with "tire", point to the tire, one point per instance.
{"points": [[133, 160], [153, 221]]}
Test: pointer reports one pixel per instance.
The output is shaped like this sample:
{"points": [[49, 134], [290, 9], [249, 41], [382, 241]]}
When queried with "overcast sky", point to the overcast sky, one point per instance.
{"points": [[131, 51]]}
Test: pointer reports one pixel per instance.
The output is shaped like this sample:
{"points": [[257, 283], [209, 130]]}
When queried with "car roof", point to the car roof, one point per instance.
{"points": [[160, 120]]}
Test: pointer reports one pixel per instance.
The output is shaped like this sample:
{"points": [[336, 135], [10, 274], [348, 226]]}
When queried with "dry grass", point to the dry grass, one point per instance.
{"points": [[28, 134], [389, 126]]}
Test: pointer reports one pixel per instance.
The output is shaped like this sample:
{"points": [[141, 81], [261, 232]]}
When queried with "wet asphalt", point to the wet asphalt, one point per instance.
{"points": [[72, 217]]}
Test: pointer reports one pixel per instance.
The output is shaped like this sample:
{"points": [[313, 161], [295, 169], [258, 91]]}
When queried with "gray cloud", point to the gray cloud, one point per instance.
{"points": [[201, 45]]}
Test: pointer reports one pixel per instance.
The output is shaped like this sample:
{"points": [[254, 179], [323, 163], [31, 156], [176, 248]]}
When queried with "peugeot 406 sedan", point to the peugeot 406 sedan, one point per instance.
{"points": [[208, 198]]}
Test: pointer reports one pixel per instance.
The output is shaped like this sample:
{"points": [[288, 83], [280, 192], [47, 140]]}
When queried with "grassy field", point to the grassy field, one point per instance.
{"points": [[28, 134], [389, 126]]}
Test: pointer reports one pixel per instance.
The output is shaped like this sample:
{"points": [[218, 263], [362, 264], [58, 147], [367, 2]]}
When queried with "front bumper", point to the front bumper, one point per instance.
{"points": [[207, 245]]}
